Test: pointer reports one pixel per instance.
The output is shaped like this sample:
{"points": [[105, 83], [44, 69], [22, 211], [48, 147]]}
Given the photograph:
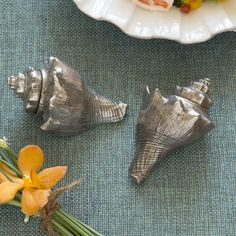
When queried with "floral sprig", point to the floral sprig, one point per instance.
{"points": [[22, 185]]}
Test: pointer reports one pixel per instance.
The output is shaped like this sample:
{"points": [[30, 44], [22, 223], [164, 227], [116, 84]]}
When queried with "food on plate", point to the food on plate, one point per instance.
{"points": [[155, 5], [188, 5], [164, 5]]}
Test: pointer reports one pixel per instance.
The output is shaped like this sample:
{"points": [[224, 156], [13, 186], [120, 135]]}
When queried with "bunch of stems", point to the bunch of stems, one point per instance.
{"points": [[62, 223]]}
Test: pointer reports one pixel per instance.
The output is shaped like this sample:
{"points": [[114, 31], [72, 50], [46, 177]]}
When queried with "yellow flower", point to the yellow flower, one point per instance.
{"points": [[36, 186]]}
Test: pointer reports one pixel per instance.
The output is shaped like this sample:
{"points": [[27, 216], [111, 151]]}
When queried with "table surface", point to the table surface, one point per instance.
{"points": [[191, 193]]}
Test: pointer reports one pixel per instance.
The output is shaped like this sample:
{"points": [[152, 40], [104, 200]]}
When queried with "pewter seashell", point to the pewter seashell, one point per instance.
{"points": [[59, 95], [165, 124]]}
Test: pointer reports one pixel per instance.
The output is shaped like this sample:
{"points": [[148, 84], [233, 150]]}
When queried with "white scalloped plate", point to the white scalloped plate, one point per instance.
{"points": [[197, 26]]}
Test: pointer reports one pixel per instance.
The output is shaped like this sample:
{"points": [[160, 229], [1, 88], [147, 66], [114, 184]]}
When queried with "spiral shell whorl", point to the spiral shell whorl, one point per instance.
{"points": [[59, 95], [28, 86], [197, 92]]}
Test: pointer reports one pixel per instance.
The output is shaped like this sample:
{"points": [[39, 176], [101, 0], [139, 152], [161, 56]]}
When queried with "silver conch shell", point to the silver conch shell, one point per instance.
{"points": [[59, 95], [165, 124]]}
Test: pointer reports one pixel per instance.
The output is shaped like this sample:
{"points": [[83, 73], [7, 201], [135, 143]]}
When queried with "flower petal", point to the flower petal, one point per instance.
{"points": [[50, 176], [8, 191], [15, 179], [7, 169], [35, 179], [3, 178], [33, 200], [10, 174], [31, 157]]}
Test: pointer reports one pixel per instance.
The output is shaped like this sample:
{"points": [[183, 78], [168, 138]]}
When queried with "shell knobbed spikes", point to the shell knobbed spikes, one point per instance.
{"points": [[165, 124], [58, 94]]}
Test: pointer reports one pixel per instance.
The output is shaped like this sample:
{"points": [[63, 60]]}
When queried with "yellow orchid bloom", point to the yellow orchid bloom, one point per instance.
{"points": [[36, 186]]}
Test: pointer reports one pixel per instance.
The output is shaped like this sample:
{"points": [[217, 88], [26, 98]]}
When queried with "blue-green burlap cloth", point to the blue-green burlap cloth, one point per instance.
{"points": [[190, 194]]}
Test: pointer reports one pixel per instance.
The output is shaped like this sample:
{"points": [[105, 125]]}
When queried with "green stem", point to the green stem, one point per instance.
{"points": [[88, 227], [61, 229], [80, 224], [6, 157], [66, 225], [18, 173], [81, 230], [11, 154]]}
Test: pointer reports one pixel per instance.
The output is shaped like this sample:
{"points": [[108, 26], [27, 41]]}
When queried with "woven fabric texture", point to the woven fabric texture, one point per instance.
{"points": [[192, 193]]}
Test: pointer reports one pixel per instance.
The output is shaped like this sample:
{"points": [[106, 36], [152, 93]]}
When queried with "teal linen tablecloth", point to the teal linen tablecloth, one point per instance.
{"points": [[190, 194]]}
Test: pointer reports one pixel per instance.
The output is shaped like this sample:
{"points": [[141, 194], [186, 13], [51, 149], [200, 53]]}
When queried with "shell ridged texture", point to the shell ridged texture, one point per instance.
{"points": [[158, 134], [165, 124], [103, 110]]}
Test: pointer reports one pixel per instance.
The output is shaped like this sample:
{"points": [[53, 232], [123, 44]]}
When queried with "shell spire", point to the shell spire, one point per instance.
{"points": [[165, 124], [60, 97]]}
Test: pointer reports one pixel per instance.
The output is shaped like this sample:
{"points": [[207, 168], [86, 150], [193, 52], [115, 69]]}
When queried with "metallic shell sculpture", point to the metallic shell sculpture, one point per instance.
{"points": [[165, 124], [59, 95]]}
